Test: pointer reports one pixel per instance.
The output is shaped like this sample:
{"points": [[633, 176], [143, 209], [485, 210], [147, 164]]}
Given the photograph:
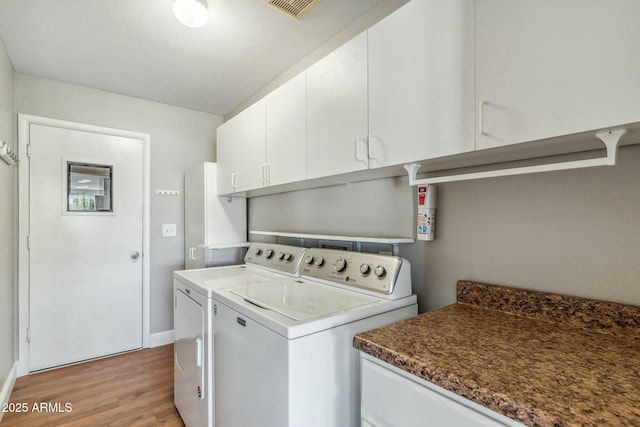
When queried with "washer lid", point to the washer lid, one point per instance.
{"points": [[302, 301]]}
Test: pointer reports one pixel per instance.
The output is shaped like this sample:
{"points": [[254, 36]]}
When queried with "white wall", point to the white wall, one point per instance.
{"points": [[180, 138], [7, 205], [572, 232]]}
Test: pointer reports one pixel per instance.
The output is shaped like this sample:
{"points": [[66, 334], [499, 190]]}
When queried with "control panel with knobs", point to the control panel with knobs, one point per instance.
{"points": [[283, 258], [371, 272]]}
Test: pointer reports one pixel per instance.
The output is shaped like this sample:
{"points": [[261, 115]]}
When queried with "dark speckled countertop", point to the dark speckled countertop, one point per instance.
{"points": [[541, 359]]}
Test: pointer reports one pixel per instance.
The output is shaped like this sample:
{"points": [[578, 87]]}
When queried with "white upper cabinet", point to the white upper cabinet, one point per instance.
{"points": [[421, 74], [251, 141], [337, 111], [286, 159], [549, 68], [241, 151], [227, 158]]}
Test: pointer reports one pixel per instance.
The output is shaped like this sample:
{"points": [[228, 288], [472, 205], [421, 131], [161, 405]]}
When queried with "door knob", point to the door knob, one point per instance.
{"points": [[135, 255]]}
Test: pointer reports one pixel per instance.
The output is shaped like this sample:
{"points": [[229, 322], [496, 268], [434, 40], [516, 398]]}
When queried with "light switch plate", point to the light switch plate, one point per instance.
{"points": [[168, 230]]}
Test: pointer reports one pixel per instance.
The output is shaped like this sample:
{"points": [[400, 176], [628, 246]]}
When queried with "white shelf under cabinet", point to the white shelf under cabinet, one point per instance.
{"points": [[226, 245], [381, 240]]}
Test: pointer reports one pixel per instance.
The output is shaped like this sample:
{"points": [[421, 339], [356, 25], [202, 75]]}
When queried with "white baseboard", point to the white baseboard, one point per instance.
{"points": [[161, 338], [7, 386]]}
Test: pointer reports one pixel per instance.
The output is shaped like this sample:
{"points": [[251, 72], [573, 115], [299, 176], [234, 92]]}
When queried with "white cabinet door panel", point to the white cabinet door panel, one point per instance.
{"points": [[337, 111], [389, 399], [251, 146], [227, 158], [421, 91], [554, 67], [287, 132]]}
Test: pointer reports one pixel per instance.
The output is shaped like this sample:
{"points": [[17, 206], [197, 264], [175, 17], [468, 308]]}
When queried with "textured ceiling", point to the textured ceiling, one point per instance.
{"points": [[138, 48]]}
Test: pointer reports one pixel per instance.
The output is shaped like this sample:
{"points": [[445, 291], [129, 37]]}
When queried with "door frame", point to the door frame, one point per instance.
{"points": [[23, 303]]}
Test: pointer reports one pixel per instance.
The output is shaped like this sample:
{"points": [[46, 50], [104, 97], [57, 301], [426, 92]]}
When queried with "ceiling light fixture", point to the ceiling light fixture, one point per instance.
{"points": [[192, 13]]}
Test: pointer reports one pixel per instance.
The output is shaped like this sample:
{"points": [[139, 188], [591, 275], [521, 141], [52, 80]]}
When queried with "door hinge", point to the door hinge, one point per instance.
{"points": [[28, 334], [28, 150], [28, 242]]}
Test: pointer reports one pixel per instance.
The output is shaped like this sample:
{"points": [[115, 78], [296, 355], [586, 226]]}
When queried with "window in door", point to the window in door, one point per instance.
{"points": [[89, 187]]}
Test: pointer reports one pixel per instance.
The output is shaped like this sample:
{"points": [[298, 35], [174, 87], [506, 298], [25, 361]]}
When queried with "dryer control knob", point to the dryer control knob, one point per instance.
{"points": [[268, 253], [308, 260], [379, 271], [288, 256], [340, 264], [319, 262], [280, 255], [258, 251]]}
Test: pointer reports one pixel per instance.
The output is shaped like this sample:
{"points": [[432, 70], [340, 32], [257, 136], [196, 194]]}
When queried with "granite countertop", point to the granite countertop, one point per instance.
{"points": [[541, 359]]}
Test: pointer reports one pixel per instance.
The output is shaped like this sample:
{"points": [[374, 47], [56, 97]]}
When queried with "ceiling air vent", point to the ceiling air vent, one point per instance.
{"points": [[295, 8]]}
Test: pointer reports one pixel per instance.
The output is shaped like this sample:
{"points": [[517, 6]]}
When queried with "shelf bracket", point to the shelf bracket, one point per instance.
{"points": [[611, 138]]}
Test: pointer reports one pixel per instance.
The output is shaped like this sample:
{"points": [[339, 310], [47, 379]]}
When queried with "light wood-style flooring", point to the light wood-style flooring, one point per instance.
{"points": [[132, 389]]}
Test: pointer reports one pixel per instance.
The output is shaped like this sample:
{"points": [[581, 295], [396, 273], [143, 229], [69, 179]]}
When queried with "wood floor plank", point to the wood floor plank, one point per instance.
{"points": [[132, 389]]}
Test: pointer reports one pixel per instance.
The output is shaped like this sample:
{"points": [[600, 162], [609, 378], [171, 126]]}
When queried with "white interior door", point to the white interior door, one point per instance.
{"points": [[86, 239]]}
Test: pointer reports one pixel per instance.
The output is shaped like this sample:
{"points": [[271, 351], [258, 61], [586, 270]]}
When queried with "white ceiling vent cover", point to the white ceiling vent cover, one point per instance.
{"points": [[295, 8]]}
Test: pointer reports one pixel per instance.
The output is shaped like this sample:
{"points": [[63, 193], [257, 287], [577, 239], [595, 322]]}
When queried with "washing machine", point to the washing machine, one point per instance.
{"points": [[194, 321], [284, 355]]}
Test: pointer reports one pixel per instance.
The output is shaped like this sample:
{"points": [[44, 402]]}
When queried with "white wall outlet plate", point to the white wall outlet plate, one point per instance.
{"points": [[168, 230]]}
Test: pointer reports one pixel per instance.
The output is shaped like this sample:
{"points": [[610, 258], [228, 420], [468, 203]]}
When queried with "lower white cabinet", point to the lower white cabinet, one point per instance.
{"points": [[394, 398]]}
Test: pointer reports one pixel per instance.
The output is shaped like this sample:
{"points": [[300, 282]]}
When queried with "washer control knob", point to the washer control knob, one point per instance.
{"points": [[319, 262], [280, 255], [365, 269], [309, 260], [340, 264], [268, 253], [288, 256], [379, 271], [258, 251]]}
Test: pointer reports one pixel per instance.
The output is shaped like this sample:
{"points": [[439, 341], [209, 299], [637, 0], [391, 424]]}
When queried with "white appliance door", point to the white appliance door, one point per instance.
{"points": [[251, 376], [86, 222], [189, 370]]}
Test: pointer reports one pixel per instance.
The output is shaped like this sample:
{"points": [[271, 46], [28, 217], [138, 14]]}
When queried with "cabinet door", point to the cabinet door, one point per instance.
{"points": [[337, 111], [194, 214], [389, 399], [250, 139], [227, 158], [553, 67], [287, 132], [421, 92]]}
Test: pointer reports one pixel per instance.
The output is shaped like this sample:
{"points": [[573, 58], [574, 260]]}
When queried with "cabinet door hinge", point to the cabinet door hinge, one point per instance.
{"points": [[28, 334], [28, 242], [28, 150]]}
